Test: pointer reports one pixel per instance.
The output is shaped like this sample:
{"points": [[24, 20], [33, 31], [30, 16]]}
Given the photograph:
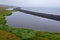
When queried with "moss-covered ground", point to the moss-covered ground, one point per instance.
{"points": [[8, 33]]}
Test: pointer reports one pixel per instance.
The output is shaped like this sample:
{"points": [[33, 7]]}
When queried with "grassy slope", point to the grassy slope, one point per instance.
{"points": [[24, 34], [4, 35]]}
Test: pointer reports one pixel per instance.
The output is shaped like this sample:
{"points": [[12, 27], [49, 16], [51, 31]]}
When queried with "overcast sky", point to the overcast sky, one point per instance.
{"points": [[32, 3]]}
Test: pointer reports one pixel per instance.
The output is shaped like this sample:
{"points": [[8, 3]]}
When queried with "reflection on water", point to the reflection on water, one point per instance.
{"points": [[22, 20]]}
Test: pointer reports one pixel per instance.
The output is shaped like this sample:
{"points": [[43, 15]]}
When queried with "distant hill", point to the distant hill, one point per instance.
{"points": [[7, 6]]}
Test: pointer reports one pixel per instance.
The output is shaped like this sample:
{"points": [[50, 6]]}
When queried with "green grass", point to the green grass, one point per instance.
{"points": [[22, 33]]}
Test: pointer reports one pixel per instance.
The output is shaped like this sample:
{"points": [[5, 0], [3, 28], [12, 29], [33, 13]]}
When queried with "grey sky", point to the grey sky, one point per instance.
{"points": [[32, 3]]}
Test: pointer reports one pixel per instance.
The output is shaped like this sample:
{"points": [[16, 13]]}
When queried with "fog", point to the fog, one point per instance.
{"points": [[32, 3]]}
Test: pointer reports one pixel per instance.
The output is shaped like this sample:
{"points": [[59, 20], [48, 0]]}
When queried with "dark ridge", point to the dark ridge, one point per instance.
{"points": [[45, 15]]}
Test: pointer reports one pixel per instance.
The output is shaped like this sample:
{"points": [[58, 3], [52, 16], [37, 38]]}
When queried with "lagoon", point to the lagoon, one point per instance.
{"points": [[22, 20]]}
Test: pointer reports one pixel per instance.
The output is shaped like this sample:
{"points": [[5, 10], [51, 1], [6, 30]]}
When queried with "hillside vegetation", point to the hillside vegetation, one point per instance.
{"points": [[9, 33]]}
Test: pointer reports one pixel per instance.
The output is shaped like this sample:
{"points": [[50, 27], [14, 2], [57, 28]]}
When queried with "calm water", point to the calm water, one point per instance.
{"points": [[22, 20]]}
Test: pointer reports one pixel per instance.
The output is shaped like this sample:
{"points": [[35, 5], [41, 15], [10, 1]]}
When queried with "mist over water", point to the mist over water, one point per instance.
{"points": [[44, 10], [22, 20]]}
